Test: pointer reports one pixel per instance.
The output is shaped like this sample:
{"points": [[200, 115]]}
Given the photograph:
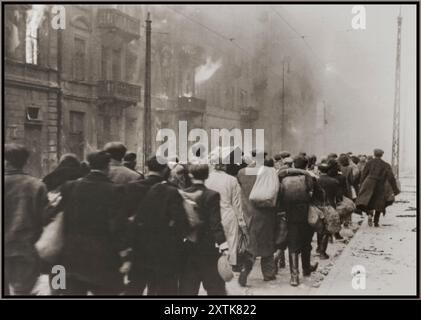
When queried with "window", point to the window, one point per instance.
{"points": [[32, 44], [34, 20], [117, 65], [76, 122], [79, 59]]}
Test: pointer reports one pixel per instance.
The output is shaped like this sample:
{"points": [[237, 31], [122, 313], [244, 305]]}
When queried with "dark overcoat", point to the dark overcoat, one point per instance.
{"points": [[261, 221], [161, 226], [378, 186], [94, 230]]}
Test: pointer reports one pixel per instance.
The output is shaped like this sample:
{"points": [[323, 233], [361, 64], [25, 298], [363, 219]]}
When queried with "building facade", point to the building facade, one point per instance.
{"points": [[75, 89]]}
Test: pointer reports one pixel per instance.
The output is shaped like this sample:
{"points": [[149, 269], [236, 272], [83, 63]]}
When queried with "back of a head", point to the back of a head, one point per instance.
{"points": [[355, 159], [344, 160], [277, 157], [156, 164], [69, 160], [333, 167], [16, 155], [312, 160], [117, 150], [378, 153], [269, 163], [199, 171], [332, 156], [300, 162], [323, 167], [130, 157], [99, 160]]}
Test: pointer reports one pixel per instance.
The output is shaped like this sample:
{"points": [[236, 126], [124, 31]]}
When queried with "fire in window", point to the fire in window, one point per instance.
{"points": [[34, 19]]}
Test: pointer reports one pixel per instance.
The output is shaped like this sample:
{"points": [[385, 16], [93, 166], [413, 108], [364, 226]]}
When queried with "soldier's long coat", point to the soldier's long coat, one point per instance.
{"points": [[378, 186]]}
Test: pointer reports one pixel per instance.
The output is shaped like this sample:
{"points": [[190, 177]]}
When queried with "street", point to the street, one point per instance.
{"points": [[387, 253]]}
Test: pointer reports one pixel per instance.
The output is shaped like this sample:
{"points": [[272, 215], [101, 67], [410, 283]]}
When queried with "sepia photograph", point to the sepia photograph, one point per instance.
{"points": [[194, 150]]}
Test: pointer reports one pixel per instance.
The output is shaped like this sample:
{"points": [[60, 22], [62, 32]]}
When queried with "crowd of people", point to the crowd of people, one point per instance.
{"points": [[165, 231]]}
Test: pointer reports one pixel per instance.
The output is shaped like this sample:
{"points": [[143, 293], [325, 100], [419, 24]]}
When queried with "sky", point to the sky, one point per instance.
{"points": [[356, 69], [353, 71]]}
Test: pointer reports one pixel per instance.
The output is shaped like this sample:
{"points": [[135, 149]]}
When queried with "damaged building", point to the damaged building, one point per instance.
{"points": [[75, 89]]}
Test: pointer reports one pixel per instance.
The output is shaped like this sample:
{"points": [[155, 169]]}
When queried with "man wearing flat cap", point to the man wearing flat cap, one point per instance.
{"points": [[118, 173], [378, 188]]}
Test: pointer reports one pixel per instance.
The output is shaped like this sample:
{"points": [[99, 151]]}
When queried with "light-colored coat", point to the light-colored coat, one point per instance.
{"points": [[231, 211]]}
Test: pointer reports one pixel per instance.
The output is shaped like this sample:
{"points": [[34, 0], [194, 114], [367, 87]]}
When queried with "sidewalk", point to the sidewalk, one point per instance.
{"points": [[387, 253]]}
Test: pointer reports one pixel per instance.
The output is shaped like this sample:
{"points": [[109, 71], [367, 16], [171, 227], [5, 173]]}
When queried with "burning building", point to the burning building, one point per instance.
{"points": [[72, 90]]}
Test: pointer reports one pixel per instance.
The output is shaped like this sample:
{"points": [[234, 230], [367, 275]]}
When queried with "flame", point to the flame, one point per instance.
{"points": [[33, 21], [206, 71]]}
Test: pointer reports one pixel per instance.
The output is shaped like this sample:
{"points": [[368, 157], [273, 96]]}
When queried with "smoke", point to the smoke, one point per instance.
{"points": [[207, 70], [34, 19]]}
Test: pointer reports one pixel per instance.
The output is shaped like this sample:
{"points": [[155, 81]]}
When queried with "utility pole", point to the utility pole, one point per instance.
{"points": [[147, 119], [396, 112], [283, 131], [59, 92]]}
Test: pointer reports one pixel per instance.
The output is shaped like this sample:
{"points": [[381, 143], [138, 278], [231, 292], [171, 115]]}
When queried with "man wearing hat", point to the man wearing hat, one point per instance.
{"points": [[129, 161], [95, 231], [118, 173], [378, 187]]}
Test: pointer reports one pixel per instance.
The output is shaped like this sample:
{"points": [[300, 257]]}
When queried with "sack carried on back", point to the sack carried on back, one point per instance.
{"points": [[345, 207], [192, 210], [294, 189], [265, 189]]}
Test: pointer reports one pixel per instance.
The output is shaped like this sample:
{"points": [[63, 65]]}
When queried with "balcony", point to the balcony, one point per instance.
{"points": [[249, 114], [191, 105], [116, 22], [120, 92]]}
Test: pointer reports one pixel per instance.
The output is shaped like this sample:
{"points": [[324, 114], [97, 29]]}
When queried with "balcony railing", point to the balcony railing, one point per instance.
{"points": [[119, 91], [117, 21], [191, 104], [249, 114]]}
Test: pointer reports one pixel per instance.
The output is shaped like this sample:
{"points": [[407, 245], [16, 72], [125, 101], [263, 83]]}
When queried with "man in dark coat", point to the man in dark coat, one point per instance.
{"points": [[118, 173], [136, 191], [332, 194], [261, 225], [378, 188], [201, 251], [334, 172], [160, 228], [94, 231], [25, 199], [300, 233]]}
